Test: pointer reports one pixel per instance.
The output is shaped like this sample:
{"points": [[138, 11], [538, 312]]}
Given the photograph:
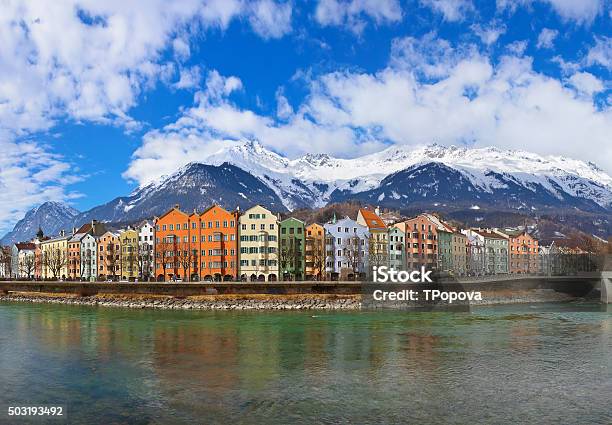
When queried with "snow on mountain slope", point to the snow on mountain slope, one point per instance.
{"points": [[49, 216], [311, 179]]}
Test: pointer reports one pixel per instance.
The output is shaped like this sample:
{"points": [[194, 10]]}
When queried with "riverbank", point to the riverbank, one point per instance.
{"points": [[260, 301]]}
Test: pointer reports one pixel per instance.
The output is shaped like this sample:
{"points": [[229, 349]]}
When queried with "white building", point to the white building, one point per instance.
{"points": [[146, 250], [346, 248], [89, 257]]}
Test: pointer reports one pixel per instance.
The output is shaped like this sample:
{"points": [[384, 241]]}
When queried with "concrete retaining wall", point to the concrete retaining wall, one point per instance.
{"points": [[575, 285]]}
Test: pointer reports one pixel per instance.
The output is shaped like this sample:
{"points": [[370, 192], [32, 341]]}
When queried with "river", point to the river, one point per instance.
{"points": [[540, 363]]}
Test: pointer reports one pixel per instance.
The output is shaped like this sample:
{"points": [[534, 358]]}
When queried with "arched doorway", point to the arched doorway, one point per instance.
{"points": [[253, 278], [228, 278], [272, 277], [217, 277], [261, 278]]}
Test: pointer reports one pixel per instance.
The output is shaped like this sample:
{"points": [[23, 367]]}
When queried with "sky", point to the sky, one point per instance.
{"points": [[97, 98]]}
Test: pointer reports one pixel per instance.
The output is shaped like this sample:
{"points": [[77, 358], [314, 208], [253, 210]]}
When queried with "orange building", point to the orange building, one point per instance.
{"points": [[172, 231], [315, 252], [523, 251], [219, 244], [109, 256], [421, 241], [196, 246]]}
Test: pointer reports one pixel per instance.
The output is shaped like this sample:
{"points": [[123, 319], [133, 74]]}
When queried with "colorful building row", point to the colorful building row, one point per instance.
{"points": [[256, 245]]}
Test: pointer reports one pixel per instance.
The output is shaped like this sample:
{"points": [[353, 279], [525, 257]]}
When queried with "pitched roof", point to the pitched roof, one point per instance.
{"points": [[25, 246], [372, 220]]}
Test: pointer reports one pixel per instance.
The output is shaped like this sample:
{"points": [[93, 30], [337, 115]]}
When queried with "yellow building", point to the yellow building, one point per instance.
{"points": [[258, 234], [128, 240], [54, 257]]}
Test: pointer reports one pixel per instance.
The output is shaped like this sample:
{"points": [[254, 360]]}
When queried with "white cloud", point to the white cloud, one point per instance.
{"points": [[452, 10], [30, 175], [583, 11], [517, 47], [270, 19], [352, 13], [189, 78], [546, 38], [586, 83], [579, 11], [87, 60], [601, 52], [489, 34], [430, 91]]}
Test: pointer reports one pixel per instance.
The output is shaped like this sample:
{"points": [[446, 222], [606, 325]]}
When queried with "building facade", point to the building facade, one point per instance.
{"points": [[397, 248], [314, 253], [128, 241], [54, 254], [378, 244], [109, 256], [291, 254], [172, 231], [88, 257], [421, 242], [489, 251], [523, 252], [146, 251], [258, 232], [23, 260], [219, 244], [347, 249]]}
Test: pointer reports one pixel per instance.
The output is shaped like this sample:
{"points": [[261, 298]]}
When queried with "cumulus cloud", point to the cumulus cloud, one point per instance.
{"points": [[579, 11], [30, 175], [352, 13], [489, 34], [546, 38], [586, 83], [429, 91], [85, 60], [451, 10], [601, 53]]}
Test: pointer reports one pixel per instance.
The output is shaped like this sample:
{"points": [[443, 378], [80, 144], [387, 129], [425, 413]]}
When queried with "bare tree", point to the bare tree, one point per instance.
{"points": [[111, 258], [164, 251], [145, 260], [6, 262], [353, 254], [87, 263], [28, 265], [55, 260], [186, 256], [318, 259]]}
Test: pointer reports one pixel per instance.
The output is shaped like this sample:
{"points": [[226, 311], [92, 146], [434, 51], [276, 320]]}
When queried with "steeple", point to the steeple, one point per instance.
{"points": [[334, 218], [40, 234]]}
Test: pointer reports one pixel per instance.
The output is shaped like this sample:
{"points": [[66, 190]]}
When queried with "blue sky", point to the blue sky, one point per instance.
{"points": [[99, 97]]}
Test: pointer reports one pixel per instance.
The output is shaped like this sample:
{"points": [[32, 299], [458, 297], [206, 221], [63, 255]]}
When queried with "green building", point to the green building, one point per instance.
{"points": [[291, 249]]}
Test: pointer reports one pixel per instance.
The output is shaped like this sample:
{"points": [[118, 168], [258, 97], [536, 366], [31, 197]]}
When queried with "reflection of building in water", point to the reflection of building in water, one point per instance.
{"points": [[192, 355]]}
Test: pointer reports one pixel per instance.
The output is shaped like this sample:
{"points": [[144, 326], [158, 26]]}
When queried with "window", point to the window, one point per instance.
{"points": [[271, 226]]}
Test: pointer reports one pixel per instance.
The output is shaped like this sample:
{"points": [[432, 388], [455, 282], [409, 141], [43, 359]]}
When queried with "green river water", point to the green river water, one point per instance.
{"points": [[539, 363]]}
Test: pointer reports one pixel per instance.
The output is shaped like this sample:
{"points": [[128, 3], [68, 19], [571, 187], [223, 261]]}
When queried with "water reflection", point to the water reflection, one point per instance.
{"points": [[172, 367]]}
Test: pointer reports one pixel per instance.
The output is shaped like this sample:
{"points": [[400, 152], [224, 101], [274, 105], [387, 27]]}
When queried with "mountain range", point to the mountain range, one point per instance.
{"points": [[430, 177]]}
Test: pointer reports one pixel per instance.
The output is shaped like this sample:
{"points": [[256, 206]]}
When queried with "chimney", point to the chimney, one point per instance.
{"points": [[62, 233], [377, 210], [74, 229], [176, 206]]}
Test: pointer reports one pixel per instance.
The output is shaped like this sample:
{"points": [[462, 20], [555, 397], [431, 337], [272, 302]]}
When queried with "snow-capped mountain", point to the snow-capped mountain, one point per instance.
{"points": [[429, 177], [51, 217], [315, 180]]}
